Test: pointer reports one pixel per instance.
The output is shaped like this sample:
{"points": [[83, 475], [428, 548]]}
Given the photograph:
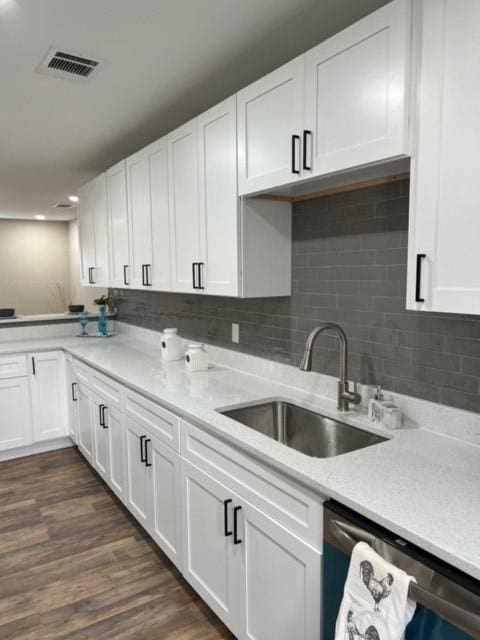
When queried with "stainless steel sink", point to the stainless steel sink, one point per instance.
{"points": [[302, 429]]}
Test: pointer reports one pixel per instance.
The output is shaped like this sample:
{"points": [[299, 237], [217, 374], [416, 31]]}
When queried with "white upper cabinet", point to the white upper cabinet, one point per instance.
{"points": [[184, 210], [138, 189], [158, 174], [270, 123], [219, 204], [355, 93], [93, 233], [118, 219], [147, 188], [443, 268], [339, 106]]}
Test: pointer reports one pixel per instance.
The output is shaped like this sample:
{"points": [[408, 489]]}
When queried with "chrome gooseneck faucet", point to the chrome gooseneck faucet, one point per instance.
{"points": [[345, 396]]}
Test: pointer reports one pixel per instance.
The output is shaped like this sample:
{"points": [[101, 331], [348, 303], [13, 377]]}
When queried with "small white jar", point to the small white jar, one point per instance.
{"points": [[196, 358], [172, 345]]}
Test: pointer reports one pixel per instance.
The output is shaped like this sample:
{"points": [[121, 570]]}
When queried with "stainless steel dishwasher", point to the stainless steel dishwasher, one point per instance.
{"points": [[448, 600]]}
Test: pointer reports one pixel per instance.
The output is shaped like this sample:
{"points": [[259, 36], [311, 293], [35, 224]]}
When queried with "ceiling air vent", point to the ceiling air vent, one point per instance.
{"points": [[63, 205], [68, 65]]}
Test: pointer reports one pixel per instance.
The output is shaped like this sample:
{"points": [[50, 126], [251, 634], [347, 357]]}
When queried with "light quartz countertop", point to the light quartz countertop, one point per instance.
{"points": [[423, 486]]}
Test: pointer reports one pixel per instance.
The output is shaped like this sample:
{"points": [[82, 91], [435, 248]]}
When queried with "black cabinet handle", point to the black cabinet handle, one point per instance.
{"points": [[194, 281], [143, 275], [142, 456], [295, 139], [104, 420], [147, 463], [306, 133], [100, 414], [236, 539], [200, 266], [90, 275], [34, 371], [148, 281], [418, 282], [74, 395], [125, 267], [225, 517]]}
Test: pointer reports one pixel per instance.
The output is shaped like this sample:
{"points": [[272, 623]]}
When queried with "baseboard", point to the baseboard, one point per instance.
{"points": [[38, 447]]}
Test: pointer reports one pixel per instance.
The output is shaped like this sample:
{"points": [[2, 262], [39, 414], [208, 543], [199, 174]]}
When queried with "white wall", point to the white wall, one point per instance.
{"points": [[80, 295], [34, 266]]}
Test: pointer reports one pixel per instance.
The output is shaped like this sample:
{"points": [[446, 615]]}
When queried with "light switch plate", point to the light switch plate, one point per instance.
{"points": [[235, 332]]}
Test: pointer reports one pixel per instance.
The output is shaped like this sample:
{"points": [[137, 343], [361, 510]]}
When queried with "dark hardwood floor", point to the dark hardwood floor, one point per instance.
{"points": [[74, 565]]}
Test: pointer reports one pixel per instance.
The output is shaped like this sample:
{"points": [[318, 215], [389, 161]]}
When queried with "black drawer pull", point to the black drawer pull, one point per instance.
{"points": [[125, 281], [100, 414], [306, 133], [147, 463], [295, 139], [148, 281], [194, 271], [74, 395], [418, 279], [142, 455], [34, 371], [200, 266], [104, 420], [225, 517], [236, 539]]}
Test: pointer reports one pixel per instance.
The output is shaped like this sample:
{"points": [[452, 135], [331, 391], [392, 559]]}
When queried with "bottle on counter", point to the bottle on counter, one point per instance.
{"points": [[384, 412]]}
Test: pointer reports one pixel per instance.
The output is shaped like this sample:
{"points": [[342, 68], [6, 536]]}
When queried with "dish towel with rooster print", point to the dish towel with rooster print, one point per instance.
{"points": [[375, 603]]}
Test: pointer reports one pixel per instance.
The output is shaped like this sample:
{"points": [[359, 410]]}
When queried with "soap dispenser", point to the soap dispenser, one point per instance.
{"points": [[375, 405]]}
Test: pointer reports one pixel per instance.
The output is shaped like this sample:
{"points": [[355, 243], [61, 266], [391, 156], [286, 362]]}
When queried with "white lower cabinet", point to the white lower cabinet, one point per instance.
{"points": [[71, 398], [260, 579], [245, 539], [47, 387], [85, 423], [16, 420]]}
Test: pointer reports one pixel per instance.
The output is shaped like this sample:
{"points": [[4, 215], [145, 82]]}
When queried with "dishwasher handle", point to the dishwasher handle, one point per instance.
{"points": [[465, 618]]}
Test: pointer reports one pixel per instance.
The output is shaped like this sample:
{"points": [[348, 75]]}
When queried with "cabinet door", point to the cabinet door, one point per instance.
{"points": [[86, 235], [445, 191], [159, 275], [138, 478], [85, 421], [138, 189], [100, 437], [16, 422], [166, 498], [184, 215], [270, 112], [281, 581], [100, 220], [118, 225], [116, 451], [47, 384], [71, 399], [219, 203], [210, 560], [355, 93]]}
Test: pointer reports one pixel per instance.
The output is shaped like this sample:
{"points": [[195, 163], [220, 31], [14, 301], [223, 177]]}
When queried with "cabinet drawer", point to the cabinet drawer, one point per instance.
{"points": [[108, 389], [158, 421], [14, 366], [296, 508], [83, 373]]}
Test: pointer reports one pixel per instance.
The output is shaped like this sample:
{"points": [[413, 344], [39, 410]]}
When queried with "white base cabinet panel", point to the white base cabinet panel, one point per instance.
{"points": [[100, 438], [15, 412], [114, 422], [71, 399], [85, 421], [260, 579], [47, 385]]}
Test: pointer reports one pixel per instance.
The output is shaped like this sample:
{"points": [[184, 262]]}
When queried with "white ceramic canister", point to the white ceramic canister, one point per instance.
{"points": [[172, 345], [196, 358]]}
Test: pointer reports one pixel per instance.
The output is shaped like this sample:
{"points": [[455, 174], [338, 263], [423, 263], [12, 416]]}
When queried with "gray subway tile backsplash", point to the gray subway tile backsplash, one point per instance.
{"points": [[349, 266]]}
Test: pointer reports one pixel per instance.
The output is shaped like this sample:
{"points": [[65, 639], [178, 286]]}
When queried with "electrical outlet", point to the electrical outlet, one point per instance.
{"points": [[235, 332]]}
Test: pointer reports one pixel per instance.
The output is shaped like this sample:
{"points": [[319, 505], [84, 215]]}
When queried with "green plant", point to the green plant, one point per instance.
{"points": [[103, 301]]}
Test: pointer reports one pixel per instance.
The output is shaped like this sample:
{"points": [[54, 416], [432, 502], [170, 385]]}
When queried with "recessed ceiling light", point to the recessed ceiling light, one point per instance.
{"points": [[39, 217], [73, 198]]}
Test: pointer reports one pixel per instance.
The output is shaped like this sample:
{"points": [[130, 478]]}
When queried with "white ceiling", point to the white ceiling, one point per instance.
{"points": [[163, 62]]}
